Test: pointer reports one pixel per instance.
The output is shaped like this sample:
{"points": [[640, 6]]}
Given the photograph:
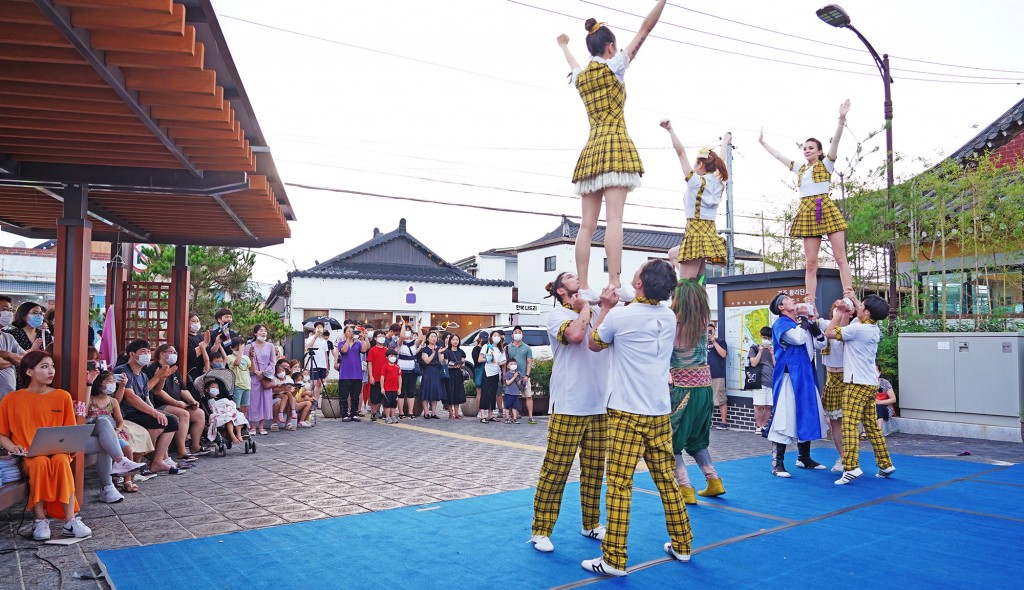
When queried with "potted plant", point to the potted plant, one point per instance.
{"points": [[540, 382], [330, 405], [470, 407]]}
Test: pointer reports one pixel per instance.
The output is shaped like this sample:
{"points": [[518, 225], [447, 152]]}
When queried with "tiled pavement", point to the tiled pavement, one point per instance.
{"points": [[338, 469]]}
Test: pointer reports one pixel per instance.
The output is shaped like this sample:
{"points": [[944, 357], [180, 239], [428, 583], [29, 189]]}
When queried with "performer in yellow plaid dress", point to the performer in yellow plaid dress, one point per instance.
{"points": [[609, 165], [860, 377], [832, 394], [817, 215], [704, 187], [639, 337], [578, 420]]}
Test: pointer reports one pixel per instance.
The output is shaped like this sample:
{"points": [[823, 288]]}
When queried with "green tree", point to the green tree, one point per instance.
{"points": [[220, 277]]}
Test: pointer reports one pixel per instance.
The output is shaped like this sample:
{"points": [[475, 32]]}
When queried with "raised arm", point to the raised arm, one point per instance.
{"points": [[645, 29], [726, 140], [774, 152], [833, 150], [678, 146], [563, 42]]}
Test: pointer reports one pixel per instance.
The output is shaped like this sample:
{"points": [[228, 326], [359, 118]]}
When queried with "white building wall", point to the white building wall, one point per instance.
{"points": [[490, 267]]}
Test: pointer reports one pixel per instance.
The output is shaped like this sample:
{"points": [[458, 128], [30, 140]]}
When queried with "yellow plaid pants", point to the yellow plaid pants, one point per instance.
{"points": [[631, 436], [567, 435], [859, 407]]}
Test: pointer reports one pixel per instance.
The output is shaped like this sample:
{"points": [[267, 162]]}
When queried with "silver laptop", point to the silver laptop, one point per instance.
{"points": [[60, 439]]}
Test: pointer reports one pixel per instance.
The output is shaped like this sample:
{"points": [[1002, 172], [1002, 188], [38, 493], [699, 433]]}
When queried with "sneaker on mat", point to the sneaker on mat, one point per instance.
{"points": [[684, 557], [838, 467], [598, 566], [542, 544], [781, 472], [594, 533], [849, 476], [110, 495], [76, 528], [884, 473], [809, 463], [41, 530]]}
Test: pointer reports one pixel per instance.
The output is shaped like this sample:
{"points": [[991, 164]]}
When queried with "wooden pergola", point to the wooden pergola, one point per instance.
{"points": [[126, 121]]}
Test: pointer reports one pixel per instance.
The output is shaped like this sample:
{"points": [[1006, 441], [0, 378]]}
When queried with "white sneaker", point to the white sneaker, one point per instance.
{"points": [[838, 467], [590, 296], [849, 476], [884, 473], [684, 557], [594, 533], [41, 530], [598, 566], [626, 293], [76, 528], [110, 495], [125, 465], [542, 544]]}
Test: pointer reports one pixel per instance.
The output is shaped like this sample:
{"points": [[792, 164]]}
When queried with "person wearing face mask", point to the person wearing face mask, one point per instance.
{"points": [[173, 398], [10, 351], [763, 356], [284, 396], [136, 405], [492, 357], [109, 441], [319, 350], [376, 359], [261, 398], [239, 365], [432, 388], [522, 354], [410, 372], [392, 383], [27, 329], [197, 360]]}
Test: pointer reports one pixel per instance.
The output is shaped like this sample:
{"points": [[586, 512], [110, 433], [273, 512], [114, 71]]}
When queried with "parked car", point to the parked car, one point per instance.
{"points": [[535, 336]]}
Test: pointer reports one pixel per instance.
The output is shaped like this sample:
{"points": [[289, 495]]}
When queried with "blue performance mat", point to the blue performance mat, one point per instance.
{"points": [[935, 522]]}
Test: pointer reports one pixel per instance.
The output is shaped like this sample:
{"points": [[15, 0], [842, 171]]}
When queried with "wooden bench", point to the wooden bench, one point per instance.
{"points": [[15, 493]]}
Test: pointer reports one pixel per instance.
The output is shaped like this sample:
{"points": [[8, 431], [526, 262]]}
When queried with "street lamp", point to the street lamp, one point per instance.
{"points": [[834, 15]]}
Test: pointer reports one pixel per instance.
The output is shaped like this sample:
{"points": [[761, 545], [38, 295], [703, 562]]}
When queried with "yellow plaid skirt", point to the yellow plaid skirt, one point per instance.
{"points": [[806, 226], [832, 395], [701, 241], [608, 152]]}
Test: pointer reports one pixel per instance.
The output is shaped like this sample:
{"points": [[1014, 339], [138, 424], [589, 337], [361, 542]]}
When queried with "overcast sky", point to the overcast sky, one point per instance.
{"points": [[420, 99]]}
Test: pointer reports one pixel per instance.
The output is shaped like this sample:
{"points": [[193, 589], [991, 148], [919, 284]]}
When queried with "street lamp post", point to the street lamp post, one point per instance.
{"points": [[834, 15]]}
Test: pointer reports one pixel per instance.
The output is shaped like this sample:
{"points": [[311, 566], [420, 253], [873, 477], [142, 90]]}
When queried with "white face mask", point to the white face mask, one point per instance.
{"points": [[496, 339], [172, 358], [392, 359], [194, 326], [214, 392], [280, 375], [517, 337], [380, 340], [512, 367], [143, 359], [408, 335], [110, 388], [766, 341], [6, 317], [261, 338]]}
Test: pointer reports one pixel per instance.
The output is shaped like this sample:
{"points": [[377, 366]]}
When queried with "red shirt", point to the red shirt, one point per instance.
{"points": [[391, 375], [377, 356]]}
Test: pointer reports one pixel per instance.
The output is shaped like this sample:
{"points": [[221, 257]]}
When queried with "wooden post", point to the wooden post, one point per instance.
{"points": [[74, 245], [177, 326]]}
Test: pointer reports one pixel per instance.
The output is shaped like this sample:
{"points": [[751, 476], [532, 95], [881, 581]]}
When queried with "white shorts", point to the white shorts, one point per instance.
{"points": [[763, 396]]}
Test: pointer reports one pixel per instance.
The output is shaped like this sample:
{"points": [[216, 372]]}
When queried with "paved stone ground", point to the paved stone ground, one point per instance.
{"points": [[344, 469]]}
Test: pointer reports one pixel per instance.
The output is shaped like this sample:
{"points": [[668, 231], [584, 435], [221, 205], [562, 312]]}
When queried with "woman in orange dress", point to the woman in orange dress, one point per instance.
{"points": [[50, 479]]}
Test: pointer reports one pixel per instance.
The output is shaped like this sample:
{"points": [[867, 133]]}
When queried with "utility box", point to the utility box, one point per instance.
{"points": [[975, 380]]}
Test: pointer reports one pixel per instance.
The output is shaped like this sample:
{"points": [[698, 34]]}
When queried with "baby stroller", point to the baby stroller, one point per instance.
{"points": [[218, 435]]}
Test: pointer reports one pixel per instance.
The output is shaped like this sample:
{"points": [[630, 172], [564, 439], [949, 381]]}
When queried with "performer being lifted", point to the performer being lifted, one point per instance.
{"points": [[817, 215], [705, 183], [609, 166]]}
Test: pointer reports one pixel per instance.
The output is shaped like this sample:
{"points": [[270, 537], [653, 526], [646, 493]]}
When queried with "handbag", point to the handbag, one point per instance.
{"points": [[444, 372], [751, 377]]}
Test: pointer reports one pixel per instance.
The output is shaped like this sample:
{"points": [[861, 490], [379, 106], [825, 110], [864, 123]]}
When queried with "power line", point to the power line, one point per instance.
{"points": [[793, 51], [770, 59], [858, 49]]}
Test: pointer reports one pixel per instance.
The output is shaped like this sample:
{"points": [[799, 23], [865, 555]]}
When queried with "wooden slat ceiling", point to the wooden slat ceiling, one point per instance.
{"points": [[55, 108]]}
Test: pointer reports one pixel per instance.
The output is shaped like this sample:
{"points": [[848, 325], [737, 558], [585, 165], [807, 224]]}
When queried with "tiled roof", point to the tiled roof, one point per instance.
{"points": [[995, 135], [438, 271], [636, 238]]}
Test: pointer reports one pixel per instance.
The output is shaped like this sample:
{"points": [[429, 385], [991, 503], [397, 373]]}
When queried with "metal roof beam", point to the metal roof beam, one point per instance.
{"points": [[130, 179], [105, 216], [60, 16], [234, 216]]}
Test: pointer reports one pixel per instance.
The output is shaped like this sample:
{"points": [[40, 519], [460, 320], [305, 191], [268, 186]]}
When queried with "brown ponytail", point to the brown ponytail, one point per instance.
{"points": [[714, 164]]}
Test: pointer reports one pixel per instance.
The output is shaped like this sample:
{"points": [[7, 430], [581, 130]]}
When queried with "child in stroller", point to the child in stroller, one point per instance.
{"points": [[225, 424]]}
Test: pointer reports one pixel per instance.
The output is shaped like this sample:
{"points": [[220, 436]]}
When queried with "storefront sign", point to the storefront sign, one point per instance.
{"points": [[528, 308]]}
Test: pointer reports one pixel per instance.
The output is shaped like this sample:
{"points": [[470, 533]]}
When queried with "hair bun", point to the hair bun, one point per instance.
{"points": [[590, 24]]}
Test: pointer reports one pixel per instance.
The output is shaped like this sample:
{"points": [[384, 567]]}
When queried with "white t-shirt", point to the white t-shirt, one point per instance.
{"points": [[492, 367], [321, 346], [8, 376], [617, 64], [579, 377], [640, 341], [834, 358], [859, 350], [805, 180], [710, 197]]}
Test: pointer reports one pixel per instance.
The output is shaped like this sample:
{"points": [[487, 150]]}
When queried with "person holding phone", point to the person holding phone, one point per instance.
{"points": [[174, 399], [26, 328], [10, 351]]}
